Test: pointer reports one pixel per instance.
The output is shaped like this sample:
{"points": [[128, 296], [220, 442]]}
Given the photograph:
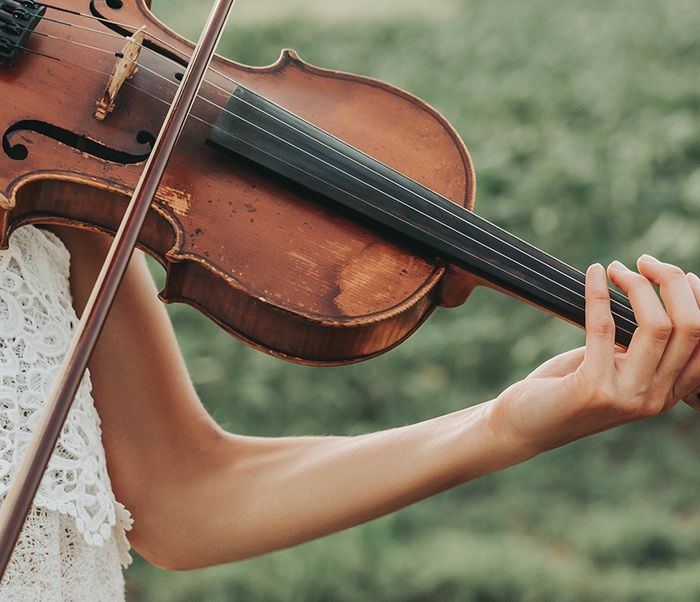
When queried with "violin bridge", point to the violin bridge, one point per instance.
{"points": [[124, 68]]}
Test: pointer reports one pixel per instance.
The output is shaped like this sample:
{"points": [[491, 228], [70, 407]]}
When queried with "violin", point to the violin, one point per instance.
{"points": [[316, 215]]}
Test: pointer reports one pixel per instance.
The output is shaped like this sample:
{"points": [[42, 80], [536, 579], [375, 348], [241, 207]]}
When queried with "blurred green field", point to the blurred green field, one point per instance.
{"points": [[583, 119]]}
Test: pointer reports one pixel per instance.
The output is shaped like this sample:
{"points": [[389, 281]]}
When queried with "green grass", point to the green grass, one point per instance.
{"points": [[583, 119]]}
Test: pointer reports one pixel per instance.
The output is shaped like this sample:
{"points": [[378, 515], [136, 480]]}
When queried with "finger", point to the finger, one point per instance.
{"points": [[689, 380], [675, 288], [651, 337], [682, 308], [600, 327]]}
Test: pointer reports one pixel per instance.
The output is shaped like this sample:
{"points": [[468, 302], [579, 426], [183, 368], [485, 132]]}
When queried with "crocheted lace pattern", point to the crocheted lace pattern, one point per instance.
{"points": [[74, 540]]}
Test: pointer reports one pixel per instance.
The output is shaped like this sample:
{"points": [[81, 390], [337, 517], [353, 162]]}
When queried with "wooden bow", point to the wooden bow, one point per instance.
{"points": [[19, 498]]}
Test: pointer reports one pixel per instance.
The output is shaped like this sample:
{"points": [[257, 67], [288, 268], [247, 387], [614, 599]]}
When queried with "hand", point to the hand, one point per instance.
{"points": [[602, 385]]}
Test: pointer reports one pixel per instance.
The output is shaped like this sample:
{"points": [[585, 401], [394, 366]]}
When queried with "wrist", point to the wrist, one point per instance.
{"points": [[483, 439], [506, 424]]}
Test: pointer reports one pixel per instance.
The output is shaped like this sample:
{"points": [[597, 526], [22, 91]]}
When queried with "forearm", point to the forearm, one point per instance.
{"points": [[273, 493], [200, 496]]}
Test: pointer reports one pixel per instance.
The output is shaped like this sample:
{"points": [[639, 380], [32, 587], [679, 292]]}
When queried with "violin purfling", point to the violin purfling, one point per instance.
{"points": [[316, 215]]}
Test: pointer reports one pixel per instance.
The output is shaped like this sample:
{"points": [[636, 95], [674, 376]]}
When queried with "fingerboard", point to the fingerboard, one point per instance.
{"points": [[263, 132]]}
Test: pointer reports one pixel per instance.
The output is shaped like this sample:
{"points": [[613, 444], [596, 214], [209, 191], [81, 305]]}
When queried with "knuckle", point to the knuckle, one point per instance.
{"points": [[660, 328], [638, 281], [653, 400], [648, 410], [667, 407], [599, 296], [628, 402], [673, 272], [602, 328], [689, 326], [637, 285]]}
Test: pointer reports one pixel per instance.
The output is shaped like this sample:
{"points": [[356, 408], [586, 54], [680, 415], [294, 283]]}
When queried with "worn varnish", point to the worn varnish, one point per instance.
{"points": [[280, 269]]}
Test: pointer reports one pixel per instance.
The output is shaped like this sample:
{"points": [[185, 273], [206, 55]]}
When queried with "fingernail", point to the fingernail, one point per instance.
{"points": [[597, 272], [617, 265], [693, 279], [650, 258]]}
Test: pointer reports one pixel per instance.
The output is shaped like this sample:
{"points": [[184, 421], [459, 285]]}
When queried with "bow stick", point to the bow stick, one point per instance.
{"points": [[19, 498]]}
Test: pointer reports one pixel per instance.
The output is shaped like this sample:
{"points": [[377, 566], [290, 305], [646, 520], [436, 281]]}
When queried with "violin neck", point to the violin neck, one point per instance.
{"points": [[263, 132]]}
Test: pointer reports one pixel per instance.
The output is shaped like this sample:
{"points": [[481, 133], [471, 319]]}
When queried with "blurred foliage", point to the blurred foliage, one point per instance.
{"points": [[583, 119]]}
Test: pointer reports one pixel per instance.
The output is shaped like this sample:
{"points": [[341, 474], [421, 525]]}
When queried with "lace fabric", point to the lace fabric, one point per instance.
{"points": [[74, 539], [52, 562]]}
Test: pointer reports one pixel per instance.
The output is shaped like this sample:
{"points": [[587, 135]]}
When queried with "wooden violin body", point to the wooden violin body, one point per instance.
{"points": [[272, 263]]}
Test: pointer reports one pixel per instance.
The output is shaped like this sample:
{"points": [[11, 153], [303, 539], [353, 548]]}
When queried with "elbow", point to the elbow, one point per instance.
{"points": [[166, 561], [165, 550], [163, 496]]}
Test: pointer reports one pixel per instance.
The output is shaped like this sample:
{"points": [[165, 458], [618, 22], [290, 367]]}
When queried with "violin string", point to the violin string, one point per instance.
{"points": [[399, 201], [107, 33], [425, 216], [112, 34], [77, 13], [460, 233], [580, 281], [126, 26], [37, 52], [475, 242], [75, 43], [85, 67], [107, 73]]}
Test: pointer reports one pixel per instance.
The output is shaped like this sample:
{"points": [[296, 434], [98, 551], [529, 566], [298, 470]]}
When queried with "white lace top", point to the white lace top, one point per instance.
{"points": [[73, 542]]}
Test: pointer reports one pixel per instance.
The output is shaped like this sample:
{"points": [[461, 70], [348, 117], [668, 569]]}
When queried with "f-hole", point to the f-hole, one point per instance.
{"points": [[19, 152]]}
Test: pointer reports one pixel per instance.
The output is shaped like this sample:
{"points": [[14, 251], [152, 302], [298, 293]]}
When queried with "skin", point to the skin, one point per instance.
{"points": [[201, 496]]}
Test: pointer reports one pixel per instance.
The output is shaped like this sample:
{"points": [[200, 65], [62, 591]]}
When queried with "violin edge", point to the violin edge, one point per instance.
{"points": [[257, 321], [403, 317]]}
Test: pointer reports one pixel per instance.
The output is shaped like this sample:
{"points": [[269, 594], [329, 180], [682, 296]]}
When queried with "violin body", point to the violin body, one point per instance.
{"points": [[271, 262]]}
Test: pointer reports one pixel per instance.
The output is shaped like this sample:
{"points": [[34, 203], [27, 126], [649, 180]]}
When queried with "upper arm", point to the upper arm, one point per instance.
{"points": [[154, 427]]}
